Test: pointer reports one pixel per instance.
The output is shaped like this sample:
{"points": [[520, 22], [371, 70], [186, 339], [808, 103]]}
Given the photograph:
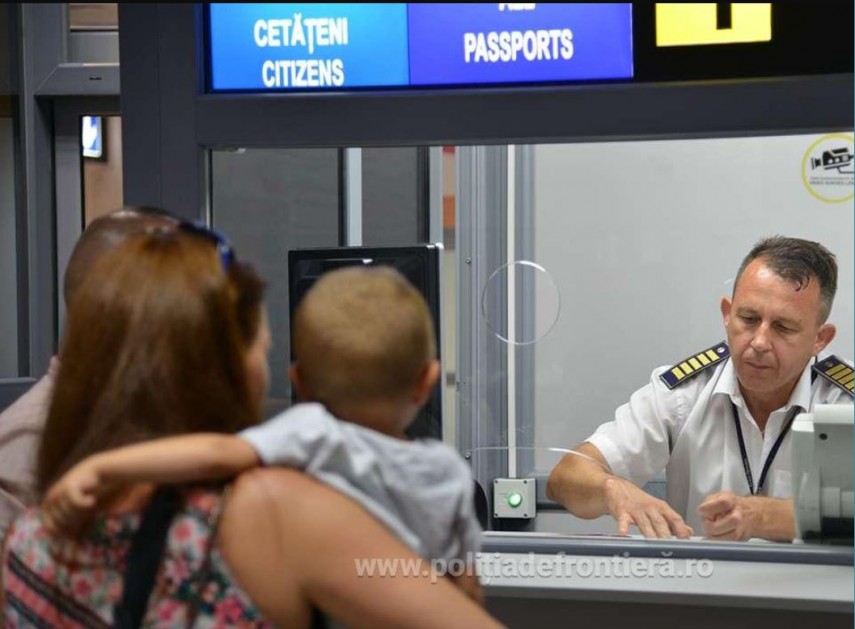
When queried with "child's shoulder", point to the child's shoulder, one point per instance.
{"points": [[296, 418]]}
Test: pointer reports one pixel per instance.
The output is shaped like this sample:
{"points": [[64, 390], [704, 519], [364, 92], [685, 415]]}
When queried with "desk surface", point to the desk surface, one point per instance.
{"points": [[687, 572], [694, 548]]}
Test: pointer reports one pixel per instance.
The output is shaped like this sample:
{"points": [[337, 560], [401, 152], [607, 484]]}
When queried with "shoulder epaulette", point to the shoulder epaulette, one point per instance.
{"points": [[837, 372], [694, 364]]}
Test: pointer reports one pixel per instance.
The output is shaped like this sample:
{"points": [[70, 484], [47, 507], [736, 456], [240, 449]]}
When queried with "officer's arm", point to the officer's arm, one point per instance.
{"points": [[777, 519], [587, 488], [578, 482], [727, 516]]}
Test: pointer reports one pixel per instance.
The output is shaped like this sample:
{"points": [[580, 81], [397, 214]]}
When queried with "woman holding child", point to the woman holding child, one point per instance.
{"points": [[168, 336]]}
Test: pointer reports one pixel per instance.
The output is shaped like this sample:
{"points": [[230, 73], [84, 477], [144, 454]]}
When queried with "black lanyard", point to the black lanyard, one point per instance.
{"points": [[788, 421]]}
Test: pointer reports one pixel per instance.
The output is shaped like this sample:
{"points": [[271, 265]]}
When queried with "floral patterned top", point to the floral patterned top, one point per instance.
{"points": [[53, 583]]}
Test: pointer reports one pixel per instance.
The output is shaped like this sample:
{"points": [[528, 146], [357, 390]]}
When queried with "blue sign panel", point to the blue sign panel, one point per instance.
{"points": [[263, 47], [512, 43]]}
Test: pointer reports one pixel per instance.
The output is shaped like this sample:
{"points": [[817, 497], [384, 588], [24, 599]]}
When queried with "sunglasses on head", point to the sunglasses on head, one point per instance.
{"points": [[224, 249]]}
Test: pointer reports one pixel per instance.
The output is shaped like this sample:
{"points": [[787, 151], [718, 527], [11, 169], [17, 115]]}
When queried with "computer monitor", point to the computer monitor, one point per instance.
{"points": [[823, 474], [418, 263]]}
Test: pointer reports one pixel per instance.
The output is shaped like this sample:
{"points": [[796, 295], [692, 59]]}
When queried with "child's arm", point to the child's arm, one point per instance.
{"points": [[71, 500]]}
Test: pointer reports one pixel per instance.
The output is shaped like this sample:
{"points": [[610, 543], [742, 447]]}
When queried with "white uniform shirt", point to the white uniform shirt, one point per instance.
{"points": [[422, 490], [689, 432]]}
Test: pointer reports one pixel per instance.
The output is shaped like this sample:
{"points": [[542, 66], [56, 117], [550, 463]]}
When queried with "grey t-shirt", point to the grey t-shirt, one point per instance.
{"points": [[422, 490]]}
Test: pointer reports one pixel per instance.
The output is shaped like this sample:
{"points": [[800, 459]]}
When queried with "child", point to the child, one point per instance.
{"points": [[365, 355]]}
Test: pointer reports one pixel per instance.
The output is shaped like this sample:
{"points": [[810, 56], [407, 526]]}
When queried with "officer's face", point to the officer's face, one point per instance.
{"points": [[773, 329]]}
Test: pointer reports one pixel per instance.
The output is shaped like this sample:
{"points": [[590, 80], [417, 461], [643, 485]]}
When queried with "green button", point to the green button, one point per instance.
{"points": [[515, 499]]}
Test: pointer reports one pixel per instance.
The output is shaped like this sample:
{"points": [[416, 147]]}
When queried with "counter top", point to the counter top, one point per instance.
{"points": [[686, 572]]}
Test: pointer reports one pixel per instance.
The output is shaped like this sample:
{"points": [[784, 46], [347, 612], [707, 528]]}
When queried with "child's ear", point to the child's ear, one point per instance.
{"points": [[427, 380], [298, 382]]}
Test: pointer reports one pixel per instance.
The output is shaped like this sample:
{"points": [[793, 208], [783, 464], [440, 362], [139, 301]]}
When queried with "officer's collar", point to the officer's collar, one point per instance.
{"points": [[728, 385]]}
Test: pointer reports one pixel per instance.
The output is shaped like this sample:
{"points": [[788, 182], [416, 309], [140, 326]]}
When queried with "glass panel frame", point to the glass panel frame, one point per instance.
{"points": [[169, 172], [14, 358]]}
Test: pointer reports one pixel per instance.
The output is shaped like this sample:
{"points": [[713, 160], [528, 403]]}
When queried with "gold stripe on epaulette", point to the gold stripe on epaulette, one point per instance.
{"points": [[835, 370], [841, 375], [837, 373], [693, 365]]}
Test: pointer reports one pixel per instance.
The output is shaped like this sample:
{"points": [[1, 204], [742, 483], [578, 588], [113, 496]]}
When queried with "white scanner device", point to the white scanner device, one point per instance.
{"points": [[823, 469]]}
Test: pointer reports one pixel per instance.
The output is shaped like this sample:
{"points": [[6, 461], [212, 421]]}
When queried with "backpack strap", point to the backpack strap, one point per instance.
{"points": [[143, 559], [690, 367]]}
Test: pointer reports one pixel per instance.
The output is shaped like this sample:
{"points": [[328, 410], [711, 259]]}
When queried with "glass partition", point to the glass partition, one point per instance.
{"points": [[272, 200], [641, 240], [628, 248], [269, 201], [393, 195], [606, 261]]}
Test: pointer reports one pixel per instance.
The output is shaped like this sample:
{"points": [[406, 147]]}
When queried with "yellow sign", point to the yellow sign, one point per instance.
{"points": [[698, 24]]}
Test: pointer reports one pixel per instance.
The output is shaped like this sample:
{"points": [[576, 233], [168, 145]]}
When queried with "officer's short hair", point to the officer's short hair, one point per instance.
{"points": [[798, 261]]}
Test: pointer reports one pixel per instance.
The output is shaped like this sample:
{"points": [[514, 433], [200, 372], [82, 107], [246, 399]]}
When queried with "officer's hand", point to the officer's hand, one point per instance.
{"points": [[632, 505], [727, 516]]}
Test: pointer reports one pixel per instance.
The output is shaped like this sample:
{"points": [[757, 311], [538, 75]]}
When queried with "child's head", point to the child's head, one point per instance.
{"points": [[363, 339]]}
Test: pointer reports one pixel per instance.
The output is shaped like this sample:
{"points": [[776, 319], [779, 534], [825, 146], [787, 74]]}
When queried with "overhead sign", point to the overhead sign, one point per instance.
{"points": [[303, 46], [512, 43], [261, 47], [703, 23], [337, 47]]}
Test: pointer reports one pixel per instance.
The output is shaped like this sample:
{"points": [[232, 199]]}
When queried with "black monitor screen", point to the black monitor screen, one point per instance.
{"points": [[418, 263]]}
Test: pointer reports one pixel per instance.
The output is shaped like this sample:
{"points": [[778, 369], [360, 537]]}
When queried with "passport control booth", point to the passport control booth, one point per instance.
{"points": [[572, 188]]}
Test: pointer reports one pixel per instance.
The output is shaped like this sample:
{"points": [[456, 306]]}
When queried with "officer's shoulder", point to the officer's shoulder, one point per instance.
{"points": [[836, 371], [684, 370]]}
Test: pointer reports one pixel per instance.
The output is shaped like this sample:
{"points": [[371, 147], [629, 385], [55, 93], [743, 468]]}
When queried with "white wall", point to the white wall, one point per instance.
{"points": [[643, 239], [8, 248]]}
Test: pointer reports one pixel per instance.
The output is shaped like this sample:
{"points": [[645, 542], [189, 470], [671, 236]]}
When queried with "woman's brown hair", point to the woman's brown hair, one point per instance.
{"points": [[155, 345]]}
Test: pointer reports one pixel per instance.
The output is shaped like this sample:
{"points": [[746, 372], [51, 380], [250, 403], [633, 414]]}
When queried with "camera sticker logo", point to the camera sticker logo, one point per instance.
{"points": [[828, 171]]}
